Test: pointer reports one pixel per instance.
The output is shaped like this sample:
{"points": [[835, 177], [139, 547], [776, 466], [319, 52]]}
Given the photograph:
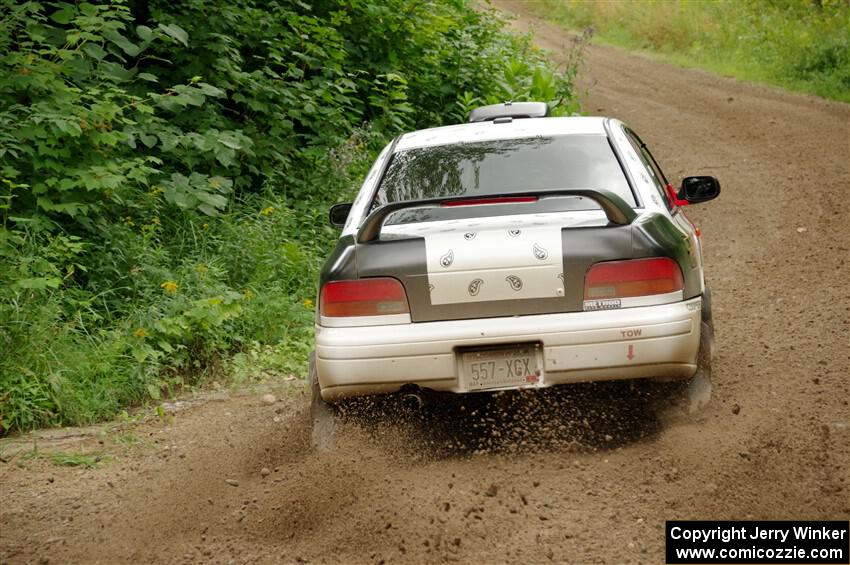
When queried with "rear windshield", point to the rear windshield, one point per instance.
{"points": [[504, 166]]}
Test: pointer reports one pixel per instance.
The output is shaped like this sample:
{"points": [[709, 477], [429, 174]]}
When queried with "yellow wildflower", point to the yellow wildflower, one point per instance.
{"points": [[156, 191], [201, 269], [141, 333], [307, 303], [205, 226], [170, 287], [268, 211], [248, 294], [155, 220]]}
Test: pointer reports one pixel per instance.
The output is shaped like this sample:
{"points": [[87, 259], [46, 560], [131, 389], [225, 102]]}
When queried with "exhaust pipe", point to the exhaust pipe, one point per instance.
{"points": [[412, 401]]}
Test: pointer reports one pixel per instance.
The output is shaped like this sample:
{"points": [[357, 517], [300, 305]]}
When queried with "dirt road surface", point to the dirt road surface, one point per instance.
{"points": [[590, 480]]}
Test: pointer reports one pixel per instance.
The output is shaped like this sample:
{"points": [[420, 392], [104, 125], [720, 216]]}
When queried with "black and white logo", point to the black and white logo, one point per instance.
{"points": [[469, 236], [540, 252], [447, 259], [515, 282], [514, 233], [475, 287]]}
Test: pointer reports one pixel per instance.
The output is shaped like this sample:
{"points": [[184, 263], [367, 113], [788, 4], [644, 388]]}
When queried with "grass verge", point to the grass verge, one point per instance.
{"points": [[799, 45]]}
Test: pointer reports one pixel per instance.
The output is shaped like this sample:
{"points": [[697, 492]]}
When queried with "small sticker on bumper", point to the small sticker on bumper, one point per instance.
{"points": [[606, 304]]}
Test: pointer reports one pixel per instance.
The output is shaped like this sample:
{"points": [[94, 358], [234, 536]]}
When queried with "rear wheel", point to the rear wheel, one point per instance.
{"points": [[696, 393], [323, 416]]}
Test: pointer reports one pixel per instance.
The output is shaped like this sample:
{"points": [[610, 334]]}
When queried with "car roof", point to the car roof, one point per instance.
{"points": [[513, 129]]}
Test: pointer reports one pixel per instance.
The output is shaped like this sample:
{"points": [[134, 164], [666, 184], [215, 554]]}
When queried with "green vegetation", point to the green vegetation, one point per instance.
{"points": [[73, 459], [166, 168], [799, 44], [64, 459]]}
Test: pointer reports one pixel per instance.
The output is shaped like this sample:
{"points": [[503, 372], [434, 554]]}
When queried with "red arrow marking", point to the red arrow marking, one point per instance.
{"points": [[631, 354]]}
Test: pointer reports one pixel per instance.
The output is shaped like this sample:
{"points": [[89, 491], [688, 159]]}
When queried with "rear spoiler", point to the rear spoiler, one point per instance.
{"points": [[615, 208], [509, 110]]}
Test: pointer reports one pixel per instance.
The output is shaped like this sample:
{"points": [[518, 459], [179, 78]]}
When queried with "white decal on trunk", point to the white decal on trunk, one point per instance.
{"points": [[501, 263]]}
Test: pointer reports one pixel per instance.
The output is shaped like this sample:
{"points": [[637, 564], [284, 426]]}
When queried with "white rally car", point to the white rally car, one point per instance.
{"points": [[517, 251]]}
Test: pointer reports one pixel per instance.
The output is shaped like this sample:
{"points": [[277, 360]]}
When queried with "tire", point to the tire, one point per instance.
{"points": [[323, 416], [696, 392], [693, 395]]}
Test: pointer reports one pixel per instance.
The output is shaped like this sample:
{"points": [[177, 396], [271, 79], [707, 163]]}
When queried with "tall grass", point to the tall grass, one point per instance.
{"points": [[797, 44]]}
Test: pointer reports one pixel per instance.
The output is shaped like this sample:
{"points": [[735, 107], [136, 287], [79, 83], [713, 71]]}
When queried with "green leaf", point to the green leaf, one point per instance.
{"points": [[148, 139], [68, 127], [225, 156], [125, 44], [148, 77], [215, 200], [116, 72], [175, 32], [210, 90], [144, 32], [168, 140], [88, 9], [221, 184], [230, 142], [153, 390], [207, 209], [38, 283], [94, 50], [64, 15]]}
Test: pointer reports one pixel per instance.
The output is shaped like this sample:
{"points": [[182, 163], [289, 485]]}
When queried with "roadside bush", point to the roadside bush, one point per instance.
{"points": [[166, 167]]}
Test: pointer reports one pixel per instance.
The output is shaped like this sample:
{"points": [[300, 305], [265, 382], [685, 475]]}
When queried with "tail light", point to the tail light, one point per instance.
{"points": [[634, 277], [364, 297]]}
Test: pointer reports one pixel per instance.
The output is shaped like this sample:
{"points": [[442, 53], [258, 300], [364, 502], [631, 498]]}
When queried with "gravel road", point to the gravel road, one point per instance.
{"points": [[584, 477]]}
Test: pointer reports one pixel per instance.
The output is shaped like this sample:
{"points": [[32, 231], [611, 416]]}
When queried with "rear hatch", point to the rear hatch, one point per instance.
{"points": [[476, 263], [500, 222]]}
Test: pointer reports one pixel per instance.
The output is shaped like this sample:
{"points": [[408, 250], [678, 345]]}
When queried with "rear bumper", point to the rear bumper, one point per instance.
{"points": [[651, 341]]}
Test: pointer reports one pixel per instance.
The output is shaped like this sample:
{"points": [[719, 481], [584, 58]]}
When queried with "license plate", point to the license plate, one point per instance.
{"points": [[507, 367]]}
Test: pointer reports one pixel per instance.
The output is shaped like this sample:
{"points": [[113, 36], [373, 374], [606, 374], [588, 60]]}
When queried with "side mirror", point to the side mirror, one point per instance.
{"points": [[338, 214], [699, 189]]}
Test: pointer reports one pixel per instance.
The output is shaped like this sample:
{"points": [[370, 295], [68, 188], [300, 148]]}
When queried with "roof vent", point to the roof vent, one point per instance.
{"points": [[509, 110]]}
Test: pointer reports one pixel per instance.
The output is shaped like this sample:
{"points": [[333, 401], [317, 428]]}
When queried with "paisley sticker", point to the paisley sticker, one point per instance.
{"points": [[447, 259], [499, 261], [540, 252]]}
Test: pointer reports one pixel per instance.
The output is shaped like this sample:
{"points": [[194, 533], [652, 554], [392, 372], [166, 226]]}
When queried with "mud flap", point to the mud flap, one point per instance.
{"points": [[323, 417], [697, 391]]}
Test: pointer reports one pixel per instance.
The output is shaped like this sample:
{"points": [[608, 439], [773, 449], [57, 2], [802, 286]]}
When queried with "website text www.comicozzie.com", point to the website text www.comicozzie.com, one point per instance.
{"points": [[798, 542], [776, 554]]}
